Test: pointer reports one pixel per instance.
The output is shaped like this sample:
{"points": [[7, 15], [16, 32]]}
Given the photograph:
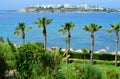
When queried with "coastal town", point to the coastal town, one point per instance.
{"points": [[67, 8]]}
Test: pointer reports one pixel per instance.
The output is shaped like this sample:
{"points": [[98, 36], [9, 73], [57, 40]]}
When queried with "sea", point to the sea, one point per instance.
{"points": [[79, 38]]}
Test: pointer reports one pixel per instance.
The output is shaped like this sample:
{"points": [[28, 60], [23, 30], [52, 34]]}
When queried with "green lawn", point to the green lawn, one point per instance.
{"points": [[87, 71]]}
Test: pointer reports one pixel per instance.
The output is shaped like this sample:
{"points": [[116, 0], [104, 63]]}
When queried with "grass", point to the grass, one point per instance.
{"points": [[70, 72], [86, 61], [104, 68]]}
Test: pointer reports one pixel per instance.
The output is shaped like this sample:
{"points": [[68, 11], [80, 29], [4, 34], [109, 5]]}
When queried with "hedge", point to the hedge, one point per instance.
{"points": [[96, 56], [81, 61]]}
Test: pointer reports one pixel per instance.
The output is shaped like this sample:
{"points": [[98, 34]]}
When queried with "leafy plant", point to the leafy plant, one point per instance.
{"points": [[7, 58], [112, 74], [33, 61], [1, 39]]}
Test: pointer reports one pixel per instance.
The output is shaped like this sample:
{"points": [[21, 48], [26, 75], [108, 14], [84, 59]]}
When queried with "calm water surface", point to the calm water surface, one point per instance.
{"points": [[80, 39]]}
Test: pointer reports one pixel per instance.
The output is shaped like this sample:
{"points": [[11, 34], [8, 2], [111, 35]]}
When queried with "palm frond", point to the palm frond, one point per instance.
{"points": [[62, 31], [112, 25], [66, 27], [97, 27], [72, 26], [17, 33], [43, 22], [49, 21], [92, 27], [35, 22], [29, 28], [86, 28], [19, 29], [110, 31], [115, 27]]}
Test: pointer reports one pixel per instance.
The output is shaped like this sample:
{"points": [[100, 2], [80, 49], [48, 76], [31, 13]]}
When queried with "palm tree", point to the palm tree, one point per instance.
{"points": [[20, 30], [85, 51], [42, 23], [92, 28], [115, 29], [66, 28]]}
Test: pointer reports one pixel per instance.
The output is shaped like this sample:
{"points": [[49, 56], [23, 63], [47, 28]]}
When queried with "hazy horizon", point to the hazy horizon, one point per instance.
{"points": [[17, 4]]}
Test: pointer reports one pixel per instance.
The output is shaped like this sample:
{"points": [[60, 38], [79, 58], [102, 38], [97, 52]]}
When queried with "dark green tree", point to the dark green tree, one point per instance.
{"points": [[115, 29], [92, 28], [20, 30], [66, 28], [42, 23]]}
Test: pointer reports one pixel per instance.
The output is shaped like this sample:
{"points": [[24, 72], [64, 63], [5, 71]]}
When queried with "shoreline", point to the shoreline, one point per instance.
{"points": [[69, 12], [72, 50], [59, 12]]}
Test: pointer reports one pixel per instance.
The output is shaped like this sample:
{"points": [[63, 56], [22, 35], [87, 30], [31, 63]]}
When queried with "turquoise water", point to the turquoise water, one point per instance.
{"points": [[80, 39]]}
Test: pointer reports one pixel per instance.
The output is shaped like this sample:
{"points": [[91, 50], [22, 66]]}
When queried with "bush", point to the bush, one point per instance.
{"points": [[79, 55], [90, 72], [104, 62], [11, 45], [34, 62], [28, 59], [94, 62], [112, 74], [7, 58], [108, 57], [80, 71], [3, 66], [79, 61]]}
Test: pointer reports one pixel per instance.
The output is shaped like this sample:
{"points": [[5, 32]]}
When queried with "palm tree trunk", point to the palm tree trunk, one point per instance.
{"points": [[23, 41], [117, 38], [23, 37], [92, 48], [45, 37], [69, 39]]}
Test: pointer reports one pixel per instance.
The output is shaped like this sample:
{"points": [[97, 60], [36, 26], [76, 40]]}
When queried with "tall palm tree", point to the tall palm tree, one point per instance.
{"points": [[92, 28], [20, 30], [42, 23], [115, 29], [66, 28]]}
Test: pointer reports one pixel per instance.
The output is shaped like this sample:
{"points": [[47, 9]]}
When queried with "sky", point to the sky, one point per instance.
{"points": [[17, 4]]}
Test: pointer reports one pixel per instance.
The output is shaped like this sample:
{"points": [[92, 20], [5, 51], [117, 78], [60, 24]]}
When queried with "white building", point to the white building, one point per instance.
{"points": [[68, 6]]}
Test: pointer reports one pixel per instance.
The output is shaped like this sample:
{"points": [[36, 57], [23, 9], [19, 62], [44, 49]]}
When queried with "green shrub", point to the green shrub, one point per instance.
{"points": [[55, 74], [96, 56], [108, 57], [81, 61], [1, 39], [3, 66], [112, 74], [11, 45], [90, 72], [34, 62], [7, 58], [80, 71], [79, 55], [103, 62], [28, 59]]}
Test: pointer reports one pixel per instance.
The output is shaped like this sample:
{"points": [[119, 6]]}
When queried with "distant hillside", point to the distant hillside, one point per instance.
{"points": [[67, 8]]}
